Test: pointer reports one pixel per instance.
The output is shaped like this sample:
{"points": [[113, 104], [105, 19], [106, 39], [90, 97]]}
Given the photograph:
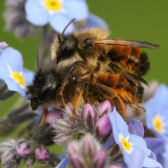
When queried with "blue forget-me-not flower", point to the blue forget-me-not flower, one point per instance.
{"points": [[130, 143], [12, 71], [157, 112], [57, 13]]}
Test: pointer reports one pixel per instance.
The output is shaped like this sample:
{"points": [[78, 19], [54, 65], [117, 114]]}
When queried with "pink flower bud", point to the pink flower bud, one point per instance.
{"points": [[41, 154], [105, 107], [89, 148], [23, 150], [72, 148], [88, 110], [52, 115], [104, 125], [77, 161], [99, 159]]}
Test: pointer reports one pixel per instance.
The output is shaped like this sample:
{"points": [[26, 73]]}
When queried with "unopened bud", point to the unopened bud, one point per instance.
{"points": [[104, 125], [23, 150], [41, 154]]}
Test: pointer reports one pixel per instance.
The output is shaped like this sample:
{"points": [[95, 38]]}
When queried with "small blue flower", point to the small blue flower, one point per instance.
{"points": [[92, 21], [57, 13], [129, 143], [12, 71], [157, 112]]}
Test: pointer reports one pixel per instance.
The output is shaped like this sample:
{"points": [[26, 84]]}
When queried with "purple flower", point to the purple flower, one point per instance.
{"points": [[104, 125], [105, 107], [57, 13], [53, 114], [86, 152], [99, 159], [23, 150], [129, 143], [41, 154], [12, 71], [88, 111]]}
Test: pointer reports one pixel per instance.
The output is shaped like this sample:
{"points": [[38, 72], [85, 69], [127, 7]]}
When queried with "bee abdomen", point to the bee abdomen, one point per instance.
{"points": [[130, 58], [143, 65]]}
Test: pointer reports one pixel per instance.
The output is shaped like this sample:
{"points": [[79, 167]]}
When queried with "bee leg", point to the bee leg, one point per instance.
{"points": [[76, 102], [69, 76], [92, 81], [45, 113], [112, 95], [81, 86]]}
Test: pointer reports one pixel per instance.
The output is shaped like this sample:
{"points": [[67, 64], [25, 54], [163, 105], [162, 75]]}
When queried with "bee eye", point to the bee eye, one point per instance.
{"points": [[67, 48], [88, 43]]}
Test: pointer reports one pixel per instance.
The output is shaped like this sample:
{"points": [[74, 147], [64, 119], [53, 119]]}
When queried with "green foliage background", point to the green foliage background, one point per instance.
{"points": [[145, 20]]}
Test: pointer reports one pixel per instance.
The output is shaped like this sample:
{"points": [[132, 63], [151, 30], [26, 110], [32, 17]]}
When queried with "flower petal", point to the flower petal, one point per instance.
{"points": [[59, 21], [137, 159], [151, 163], [13, 86], [28, 75], [136, 127], [77, 9], [93, 21], [36, 13], [11, 57], [118, 125]]}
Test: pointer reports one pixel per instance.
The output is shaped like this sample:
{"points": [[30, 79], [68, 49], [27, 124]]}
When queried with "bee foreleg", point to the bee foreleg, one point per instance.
{"points": [[76, 102], [111, 94]]}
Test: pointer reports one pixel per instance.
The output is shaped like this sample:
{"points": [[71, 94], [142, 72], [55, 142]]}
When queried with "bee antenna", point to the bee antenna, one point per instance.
{"points": [[59, 38], [37, 58], [67, 26]]}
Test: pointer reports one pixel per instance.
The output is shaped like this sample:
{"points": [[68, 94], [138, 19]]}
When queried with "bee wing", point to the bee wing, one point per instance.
{"points": [[130, 43]]}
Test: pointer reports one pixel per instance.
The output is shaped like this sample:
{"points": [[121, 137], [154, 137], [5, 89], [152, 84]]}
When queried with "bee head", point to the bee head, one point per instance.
{"points": [[67, 43], [43, 89], [67, 48]]}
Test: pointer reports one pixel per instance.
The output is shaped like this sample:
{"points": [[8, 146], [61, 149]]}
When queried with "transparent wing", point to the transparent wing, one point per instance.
{"points": [[131, 43]]}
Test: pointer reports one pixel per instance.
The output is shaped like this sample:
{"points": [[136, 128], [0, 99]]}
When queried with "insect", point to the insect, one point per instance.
{"points": [[89, 68]]}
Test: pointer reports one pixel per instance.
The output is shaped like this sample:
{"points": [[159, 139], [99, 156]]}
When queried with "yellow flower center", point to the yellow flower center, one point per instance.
{"points": [[53, 5], [158, 124], [126, 144], [18, 78]]}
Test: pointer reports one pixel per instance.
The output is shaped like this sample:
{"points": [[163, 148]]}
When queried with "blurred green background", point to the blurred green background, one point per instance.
{"points": [[145, 20]]}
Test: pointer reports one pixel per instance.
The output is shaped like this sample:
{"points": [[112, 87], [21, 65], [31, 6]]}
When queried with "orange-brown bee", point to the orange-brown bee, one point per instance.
{"points": [[89, 68]]}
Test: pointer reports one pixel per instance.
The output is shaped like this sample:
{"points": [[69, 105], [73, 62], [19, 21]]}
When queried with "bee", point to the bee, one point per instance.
{"points": [[90, 67]]}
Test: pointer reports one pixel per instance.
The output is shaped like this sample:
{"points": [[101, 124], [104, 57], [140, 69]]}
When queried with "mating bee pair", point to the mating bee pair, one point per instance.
{"points": [[89, 68]]}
